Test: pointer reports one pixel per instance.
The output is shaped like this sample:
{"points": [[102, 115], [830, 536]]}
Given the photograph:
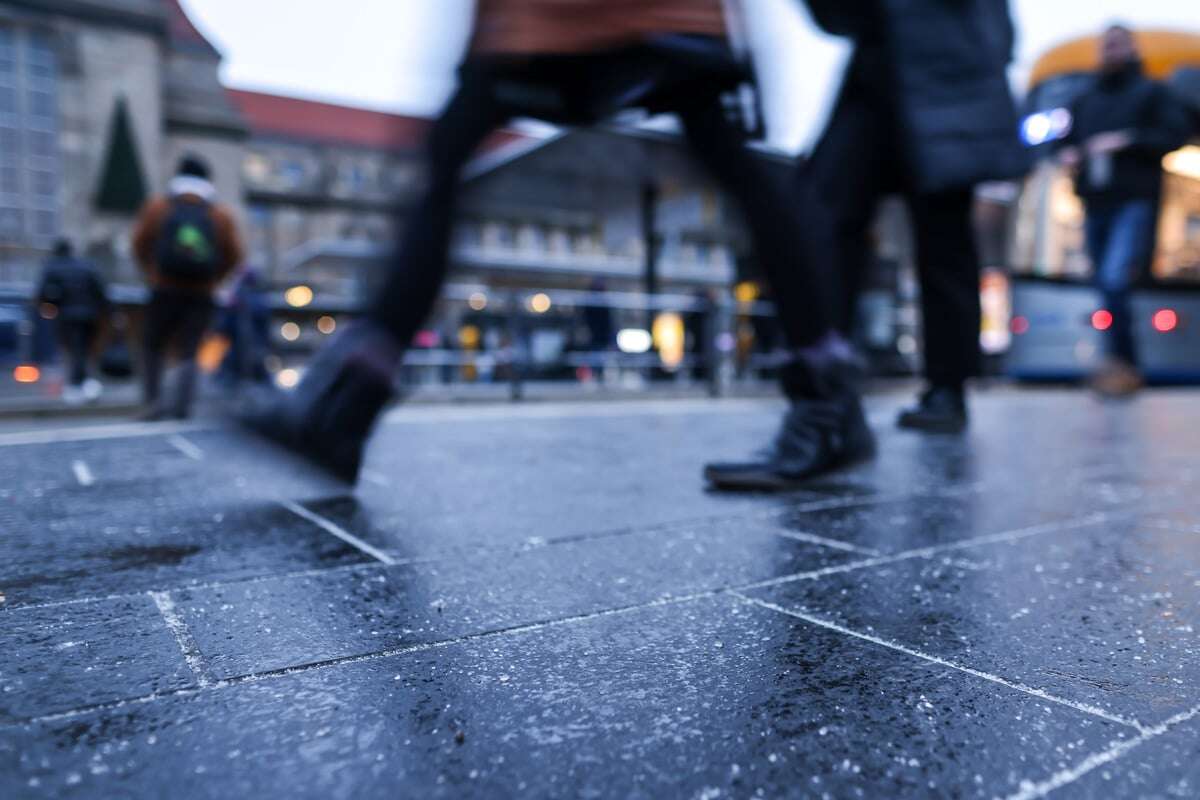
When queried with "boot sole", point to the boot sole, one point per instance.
{"points": [[766, 481], [935, 427]]}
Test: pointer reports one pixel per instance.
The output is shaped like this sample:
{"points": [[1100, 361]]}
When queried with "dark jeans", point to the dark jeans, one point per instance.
{"points": [[175, 319], [486, 99], [859, 160], [1120, 240], [78, 337]]}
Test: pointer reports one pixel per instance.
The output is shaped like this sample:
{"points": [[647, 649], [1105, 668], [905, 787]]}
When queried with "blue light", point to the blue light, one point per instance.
{"points": [[1046, 126]]}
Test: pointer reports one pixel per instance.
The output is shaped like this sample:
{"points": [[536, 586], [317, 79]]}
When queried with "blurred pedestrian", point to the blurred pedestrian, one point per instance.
{"points": [[924, 111], [579, 61], [74, 289], [246, 323], [186, 244], [1121, 129]]}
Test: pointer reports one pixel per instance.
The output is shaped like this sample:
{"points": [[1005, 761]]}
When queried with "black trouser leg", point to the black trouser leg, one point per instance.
{"points": [[418, 268], [193, 322], [800, 292], [156, 329], [78, 341], [841, 184], [948, 264]]}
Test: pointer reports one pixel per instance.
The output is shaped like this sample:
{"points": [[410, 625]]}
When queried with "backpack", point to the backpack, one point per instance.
{"points": [[187, 244]]}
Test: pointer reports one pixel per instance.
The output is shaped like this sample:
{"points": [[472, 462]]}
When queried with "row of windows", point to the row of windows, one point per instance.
{"points": [[299, 173], [29, 162]]}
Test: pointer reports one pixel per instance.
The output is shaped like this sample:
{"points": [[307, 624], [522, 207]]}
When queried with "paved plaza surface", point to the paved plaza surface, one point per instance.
{"points": [[544, 600]]}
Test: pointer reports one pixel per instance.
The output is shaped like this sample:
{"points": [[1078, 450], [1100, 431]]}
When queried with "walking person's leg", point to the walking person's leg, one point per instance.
{"points": [[331, 414], [948, 266], [194, 317], [825, 428], [157, 327], [1121, 241]]}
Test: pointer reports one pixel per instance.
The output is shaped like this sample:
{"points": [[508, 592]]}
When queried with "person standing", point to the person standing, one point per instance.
{"points": [[924, 111], [580, 61], [185, 244], [1121, 129], [73, 287]]}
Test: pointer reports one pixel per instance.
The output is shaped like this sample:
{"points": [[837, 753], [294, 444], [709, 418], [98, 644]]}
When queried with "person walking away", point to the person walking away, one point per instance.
{"points": [[924, 111], [186, 244], [246, 323], [1121, 129], [74, 288], [578, 62]]}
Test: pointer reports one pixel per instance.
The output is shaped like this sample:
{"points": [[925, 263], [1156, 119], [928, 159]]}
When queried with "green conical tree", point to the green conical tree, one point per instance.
{"points": [[122, 182]]}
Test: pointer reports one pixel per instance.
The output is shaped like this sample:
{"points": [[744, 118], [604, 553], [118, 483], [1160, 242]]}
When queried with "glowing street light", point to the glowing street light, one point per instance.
{"points": [[298, 296]]}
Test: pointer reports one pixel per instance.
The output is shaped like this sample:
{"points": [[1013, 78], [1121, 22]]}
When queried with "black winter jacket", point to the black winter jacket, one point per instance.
{"points": [[1128, 102], [944, 64], [74, 287]]}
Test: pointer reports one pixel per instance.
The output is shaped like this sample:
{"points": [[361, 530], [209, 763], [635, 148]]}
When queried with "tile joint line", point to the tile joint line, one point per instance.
{"points": [[331, 527]]}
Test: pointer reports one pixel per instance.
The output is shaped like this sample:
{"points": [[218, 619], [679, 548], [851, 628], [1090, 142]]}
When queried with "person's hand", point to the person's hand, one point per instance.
{"points": [[1070, 157], [1105, 143]]}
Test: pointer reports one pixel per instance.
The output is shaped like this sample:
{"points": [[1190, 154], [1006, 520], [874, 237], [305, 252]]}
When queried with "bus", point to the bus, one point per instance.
{"points": [[1057, 318]]}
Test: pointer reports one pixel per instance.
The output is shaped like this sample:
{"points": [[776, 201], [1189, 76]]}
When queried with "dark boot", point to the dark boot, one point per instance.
{"points": [[824, 430], [329, 417], [941, 409]]}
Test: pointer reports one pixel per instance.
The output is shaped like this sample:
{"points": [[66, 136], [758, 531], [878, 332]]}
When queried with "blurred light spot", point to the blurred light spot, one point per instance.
{"points": [[746, 292], [726, 342], [27, 373], [298, 296], [327, 325], [539, 303], [1019, 325], [1165, 320], [1184, 162], [287, 378], [427, 338], [1102, 320], [1046, 126], [906, 344], [290, 331], [669, 338], [477, 301], [468, 337], [634, 340], [48, 311]]}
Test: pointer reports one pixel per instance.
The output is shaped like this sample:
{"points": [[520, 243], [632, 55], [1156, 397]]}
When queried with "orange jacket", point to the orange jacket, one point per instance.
{"points": [[149, 226], [575, 26]]}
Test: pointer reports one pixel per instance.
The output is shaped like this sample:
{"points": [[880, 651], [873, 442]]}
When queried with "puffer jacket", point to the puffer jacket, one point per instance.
{"points": [[944, 63]]}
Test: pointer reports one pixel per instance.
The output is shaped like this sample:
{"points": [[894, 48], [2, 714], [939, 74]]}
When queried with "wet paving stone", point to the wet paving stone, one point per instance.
{"points": [[56, 659], [1104, 615], [269, 625], [1166, 767], [705, 699], [926, 520], [67, 550]]}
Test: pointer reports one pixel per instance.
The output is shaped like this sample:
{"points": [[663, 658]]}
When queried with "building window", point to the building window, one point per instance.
{"points": [[30, 172]]}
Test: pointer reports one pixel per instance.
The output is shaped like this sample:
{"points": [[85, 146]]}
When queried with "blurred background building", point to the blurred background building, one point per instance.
{"points": [[99, 98]]}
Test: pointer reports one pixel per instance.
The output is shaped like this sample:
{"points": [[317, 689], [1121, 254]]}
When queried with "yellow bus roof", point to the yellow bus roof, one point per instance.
{"points": [[1163, 52]]}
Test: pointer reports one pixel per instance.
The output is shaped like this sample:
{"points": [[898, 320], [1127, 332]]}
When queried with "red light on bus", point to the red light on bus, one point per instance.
{"points": [[27, 373], [1102, 320], [1165, 320], [1019, 325]]}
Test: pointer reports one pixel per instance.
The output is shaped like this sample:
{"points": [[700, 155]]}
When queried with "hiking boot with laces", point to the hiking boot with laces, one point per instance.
{"points": [[824, 430]]}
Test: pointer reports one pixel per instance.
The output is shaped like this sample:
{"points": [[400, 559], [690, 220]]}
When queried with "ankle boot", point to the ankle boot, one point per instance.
{"points": [[824, 429], [329, 417]]}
